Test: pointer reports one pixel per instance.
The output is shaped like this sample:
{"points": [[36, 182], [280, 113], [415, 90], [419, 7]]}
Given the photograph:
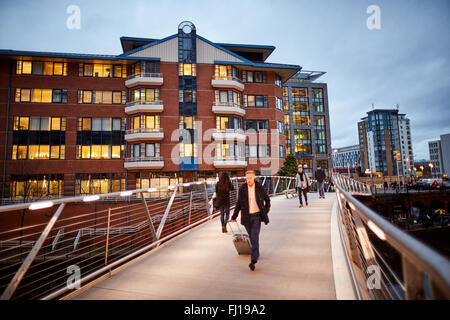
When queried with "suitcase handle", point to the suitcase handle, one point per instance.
{"points": [[229, 223]]}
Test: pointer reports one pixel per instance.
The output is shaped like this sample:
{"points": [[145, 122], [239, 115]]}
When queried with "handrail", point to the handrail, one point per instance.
{"points": [[144, 74], [228, 104], [227, 77], [418, 260], [239, 131], [143, 130], [144, 158], [144, 102]]}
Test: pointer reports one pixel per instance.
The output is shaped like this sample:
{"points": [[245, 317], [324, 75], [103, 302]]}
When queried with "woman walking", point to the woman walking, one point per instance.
{"points": [[223, 188], [302, 184]]}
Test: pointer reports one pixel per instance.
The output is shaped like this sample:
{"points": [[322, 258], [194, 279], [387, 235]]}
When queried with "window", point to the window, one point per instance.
{"points": [[188, 96], [278, 81], [280, 126], [187, 69], [229, 151], [100, 138], [38, 138], [254, 76], [102, 97], [98, 183], [302, 139], [225, 72], [100, 70], [150, 150], [319, 121], [282, 152], [279, 103], [41, 95], [300, 94], [255, 101], [317, 94], [256, 125], [36, 186], [224, 122], [145, 122], [257, 151], [228, 96], [144, 94], [47, 68]]}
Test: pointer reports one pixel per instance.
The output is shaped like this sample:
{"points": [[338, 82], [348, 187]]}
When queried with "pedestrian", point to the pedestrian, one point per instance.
{"points": [[319, 175], [385, 186], [223, 188], [302, 184], [254, 204]]}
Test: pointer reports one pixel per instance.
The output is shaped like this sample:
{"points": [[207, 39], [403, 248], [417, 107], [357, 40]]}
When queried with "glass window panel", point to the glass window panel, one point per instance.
{"points": [[26, 67], [58, 69], [45, 124], [86, 124], [115, 154], [107, 70], [106, 124], [136, 95], [107, 97], [46, 95], [96, 124], [88, 70], [56, 123], [36, 95], [150, 150], [22, 152], [85, 152], [136, 122], [249, 76], [35, 124], [106, 152], [150, 122], [98, 70], [117, 97], [44, 152], [98, 97], [117, 71], [23, 123], [251, 101], [87, 96], [116, 125], [96, 152], [48, 68], [33, 152], [55, 152], [38, 67]]}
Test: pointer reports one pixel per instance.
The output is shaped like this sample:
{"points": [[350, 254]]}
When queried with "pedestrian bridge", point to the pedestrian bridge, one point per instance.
{"points": [[166, 243]]}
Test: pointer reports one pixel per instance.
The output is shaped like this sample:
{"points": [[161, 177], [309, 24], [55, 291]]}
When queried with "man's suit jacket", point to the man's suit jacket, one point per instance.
{"points": [[262, 199]]}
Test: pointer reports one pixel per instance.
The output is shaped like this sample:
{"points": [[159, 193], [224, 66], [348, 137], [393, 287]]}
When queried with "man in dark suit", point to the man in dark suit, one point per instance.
{"points": [[254, 204]]}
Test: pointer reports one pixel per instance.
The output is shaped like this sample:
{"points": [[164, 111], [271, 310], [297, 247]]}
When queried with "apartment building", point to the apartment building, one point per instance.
{"points": [[169, 110]]}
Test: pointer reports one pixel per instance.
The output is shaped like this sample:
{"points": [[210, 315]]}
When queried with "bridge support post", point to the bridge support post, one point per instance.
{"points": [[166, 213], [107, 236], [149, 218]]}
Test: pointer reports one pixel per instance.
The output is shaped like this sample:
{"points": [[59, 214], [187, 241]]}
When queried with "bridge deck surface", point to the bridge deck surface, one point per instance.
{"points": [[295, 262]]}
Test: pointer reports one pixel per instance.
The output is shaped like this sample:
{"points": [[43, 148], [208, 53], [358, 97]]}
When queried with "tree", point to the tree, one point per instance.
{"points": [[290, 167]]}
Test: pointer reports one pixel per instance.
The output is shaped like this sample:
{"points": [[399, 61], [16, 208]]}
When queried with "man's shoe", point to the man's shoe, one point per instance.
{"points": [[251, 266], [300, 206], [224, 229]]}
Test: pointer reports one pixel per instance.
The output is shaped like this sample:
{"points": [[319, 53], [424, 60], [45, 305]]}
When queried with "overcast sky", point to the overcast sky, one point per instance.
{"points": [[406, 62]]}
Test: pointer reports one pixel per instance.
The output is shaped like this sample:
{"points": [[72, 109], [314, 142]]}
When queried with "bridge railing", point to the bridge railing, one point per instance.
{"points": [[385, 261], [50, 248]]}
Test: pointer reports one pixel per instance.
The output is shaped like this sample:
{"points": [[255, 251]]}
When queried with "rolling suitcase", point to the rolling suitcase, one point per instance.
{"points": [[241, 241]]}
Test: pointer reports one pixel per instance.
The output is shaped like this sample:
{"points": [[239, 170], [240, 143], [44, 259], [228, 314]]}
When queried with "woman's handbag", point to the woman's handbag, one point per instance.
{"points": [[214, 201]]}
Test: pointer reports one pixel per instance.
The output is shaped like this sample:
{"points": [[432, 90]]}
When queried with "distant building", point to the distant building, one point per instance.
{"points": [[346, 158], [436, 157], [383, 133], [307, 120], [440, 155]]}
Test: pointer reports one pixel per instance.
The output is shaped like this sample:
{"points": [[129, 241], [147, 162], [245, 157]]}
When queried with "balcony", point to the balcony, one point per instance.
{"points": [[144, 106], [230, 162], [228, 108], [140, 134], [227, 82], [229, 134], [153, 79], [144, 163]]}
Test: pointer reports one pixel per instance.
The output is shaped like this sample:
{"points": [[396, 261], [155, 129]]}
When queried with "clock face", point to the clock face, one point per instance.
{"points": [[187, 29]]}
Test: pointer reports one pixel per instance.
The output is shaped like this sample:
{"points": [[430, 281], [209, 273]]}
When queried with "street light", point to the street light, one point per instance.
{"points": [[431, 169]]}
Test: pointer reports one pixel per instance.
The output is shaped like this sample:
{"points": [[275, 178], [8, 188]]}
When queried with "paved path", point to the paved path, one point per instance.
{"points": [[295, 262]]}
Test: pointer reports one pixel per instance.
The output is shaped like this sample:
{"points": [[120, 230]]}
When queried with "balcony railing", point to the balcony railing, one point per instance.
{"points": [[228, 104], [145, 75], [229, 78], [144, 159], [143, 102], [144, 130], [238, 131]]}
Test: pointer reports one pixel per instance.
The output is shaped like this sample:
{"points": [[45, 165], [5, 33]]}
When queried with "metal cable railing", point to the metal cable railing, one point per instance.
{"points": [[385, 261], [40, 242]]}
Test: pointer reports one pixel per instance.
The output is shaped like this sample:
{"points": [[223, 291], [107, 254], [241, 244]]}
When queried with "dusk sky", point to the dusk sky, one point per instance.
{"points": [[406, 62]]}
